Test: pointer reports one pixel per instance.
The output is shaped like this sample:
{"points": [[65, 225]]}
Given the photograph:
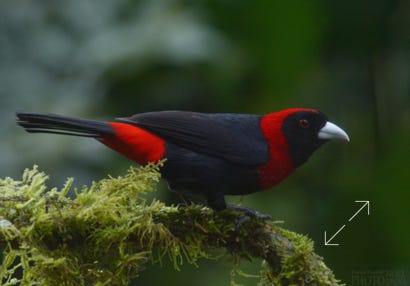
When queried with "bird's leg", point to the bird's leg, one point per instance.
{"points": [[216, 201]]}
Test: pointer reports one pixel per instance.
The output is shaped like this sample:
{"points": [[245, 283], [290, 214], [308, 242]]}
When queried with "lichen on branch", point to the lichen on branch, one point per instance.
{"points": [[107, 233]]}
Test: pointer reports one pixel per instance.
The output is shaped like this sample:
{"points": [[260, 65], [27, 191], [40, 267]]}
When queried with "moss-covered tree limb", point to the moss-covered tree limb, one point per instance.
{"points": [[108, 232]]}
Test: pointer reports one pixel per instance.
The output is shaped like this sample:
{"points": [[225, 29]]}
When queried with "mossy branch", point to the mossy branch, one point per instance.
{"points": [[108, 232]]}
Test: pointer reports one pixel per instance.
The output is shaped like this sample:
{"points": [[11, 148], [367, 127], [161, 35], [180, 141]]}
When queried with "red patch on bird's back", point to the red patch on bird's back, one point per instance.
{"points": [[280, 163], [135, 143]]}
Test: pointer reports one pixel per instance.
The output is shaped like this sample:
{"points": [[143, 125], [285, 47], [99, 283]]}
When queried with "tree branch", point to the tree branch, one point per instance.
{"points": [[106, 233]]}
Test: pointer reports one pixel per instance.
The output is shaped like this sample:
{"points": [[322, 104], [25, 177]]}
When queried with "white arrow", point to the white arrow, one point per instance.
{"points": [[327, 241], [366, 203]]}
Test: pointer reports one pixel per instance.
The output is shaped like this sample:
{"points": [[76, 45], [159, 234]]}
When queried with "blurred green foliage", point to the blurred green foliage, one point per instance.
{"points": [[350, 59]]}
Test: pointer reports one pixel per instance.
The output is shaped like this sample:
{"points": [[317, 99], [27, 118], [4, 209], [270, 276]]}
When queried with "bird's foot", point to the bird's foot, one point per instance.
{"points": [[248, 213]]}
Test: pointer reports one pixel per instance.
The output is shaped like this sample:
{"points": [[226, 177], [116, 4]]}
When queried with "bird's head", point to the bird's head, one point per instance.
{"points": [[306, 130]]}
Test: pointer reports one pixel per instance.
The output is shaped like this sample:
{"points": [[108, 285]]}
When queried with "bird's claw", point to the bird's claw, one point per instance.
{"points": [[248, 213]]}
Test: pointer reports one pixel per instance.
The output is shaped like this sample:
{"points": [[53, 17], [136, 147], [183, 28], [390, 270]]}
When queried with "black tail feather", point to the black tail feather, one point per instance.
{"points": [[57, 124]]}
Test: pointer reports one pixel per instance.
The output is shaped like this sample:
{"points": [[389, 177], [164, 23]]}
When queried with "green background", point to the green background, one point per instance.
{"points": [[113, 58]]}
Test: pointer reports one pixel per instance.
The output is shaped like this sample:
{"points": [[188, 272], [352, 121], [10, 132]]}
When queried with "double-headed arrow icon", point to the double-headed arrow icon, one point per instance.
{"points": [[365, 204]]}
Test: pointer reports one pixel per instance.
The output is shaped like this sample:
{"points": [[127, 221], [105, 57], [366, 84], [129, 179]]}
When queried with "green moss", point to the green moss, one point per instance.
{"points": [[108, 232]]}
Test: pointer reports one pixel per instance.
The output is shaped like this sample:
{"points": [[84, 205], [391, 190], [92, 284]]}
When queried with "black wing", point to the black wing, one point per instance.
{"points": [[236, 138]]}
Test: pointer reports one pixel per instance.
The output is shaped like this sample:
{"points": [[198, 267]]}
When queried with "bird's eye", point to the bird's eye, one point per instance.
{"points": [[304, 123]]}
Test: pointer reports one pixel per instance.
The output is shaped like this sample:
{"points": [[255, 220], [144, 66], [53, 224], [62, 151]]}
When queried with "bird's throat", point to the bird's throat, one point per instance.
{"points": [[280, 164]]}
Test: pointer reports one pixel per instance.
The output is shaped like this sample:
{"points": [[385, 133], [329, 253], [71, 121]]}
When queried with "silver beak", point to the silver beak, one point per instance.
{"points": [[332, 131]]}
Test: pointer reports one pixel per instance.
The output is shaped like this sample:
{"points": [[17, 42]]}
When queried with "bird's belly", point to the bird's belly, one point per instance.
{"points": [[201, 174]]}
